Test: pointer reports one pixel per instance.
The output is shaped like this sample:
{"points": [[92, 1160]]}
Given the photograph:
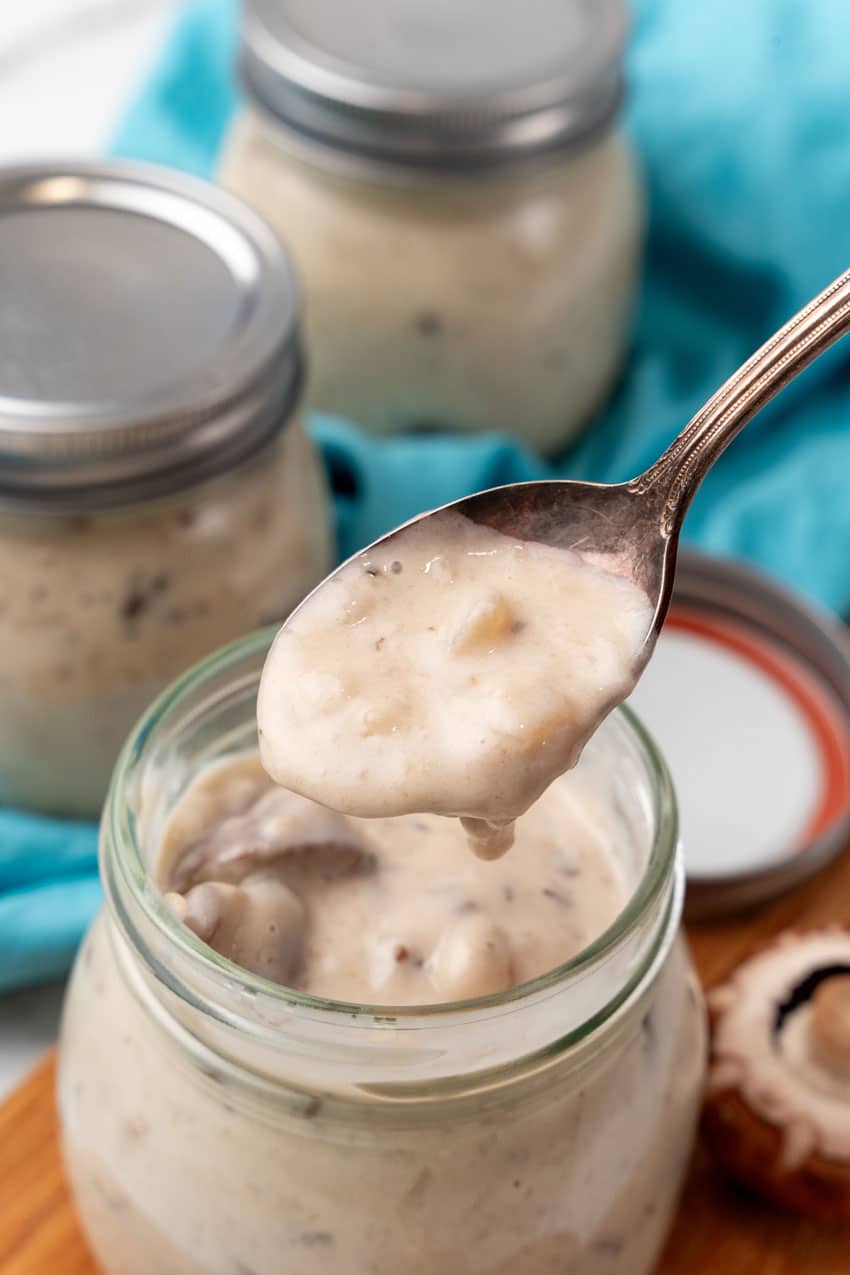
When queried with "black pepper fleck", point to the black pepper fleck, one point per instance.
{"points": [[133, 605], [612, 1244], [555, 895], [211, 1074], [648, 1029], [428, 323], [317, 1239]]}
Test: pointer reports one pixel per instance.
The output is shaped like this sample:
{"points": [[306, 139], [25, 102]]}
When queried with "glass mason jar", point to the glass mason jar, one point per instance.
{"points": [[465, 217], [217, 1124], [158, 496]]}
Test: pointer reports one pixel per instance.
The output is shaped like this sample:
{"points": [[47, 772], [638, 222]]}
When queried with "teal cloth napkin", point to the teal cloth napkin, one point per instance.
{"points": [[740, 113]]}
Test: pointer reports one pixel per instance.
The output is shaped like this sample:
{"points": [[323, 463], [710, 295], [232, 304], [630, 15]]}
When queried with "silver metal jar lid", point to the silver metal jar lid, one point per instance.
{"points": [[437, 83], [748, 694], [148, 333]]}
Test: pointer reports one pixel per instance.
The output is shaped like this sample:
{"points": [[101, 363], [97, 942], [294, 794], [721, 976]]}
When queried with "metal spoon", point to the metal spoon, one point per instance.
{"points": [[632, 528]]}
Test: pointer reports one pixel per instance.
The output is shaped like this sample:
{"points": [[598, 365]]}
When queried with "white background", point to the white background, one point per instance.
{"points": [[67, 70]]}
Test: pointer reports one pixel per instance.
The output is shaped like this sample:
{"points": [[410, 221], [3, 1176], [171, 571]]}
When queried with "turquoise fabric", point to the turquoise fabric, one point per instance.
{"points": [[740, 114], [49, 891]]}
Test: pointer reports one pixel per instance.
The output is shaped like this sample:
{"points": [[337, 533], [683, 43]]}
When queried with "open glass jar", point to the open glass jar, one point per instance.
{"points": [[158, 495], [217, 1124], [462, 210]]}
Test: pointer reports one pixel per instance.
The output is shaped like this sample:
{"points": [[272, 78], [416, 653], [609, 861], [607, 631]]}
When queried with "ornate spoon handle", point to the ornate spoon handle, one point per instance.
{"points": [[679, 471]]}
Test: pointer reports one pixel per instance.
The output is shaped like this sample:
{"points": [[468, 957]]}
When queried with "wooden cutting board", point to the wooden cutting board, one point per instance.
{"points": [[720, 1230]]}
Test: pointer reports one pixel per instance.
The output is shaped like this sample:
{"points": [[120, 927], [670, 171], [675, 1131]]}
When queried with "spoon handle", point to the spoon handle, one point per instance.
{"points": [[679, 471]]}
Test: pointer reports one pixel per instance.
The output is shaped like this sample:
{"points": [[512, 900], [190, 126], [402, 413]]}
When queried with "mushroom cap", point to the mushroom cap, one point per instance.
{"points": [[777, 1112]]}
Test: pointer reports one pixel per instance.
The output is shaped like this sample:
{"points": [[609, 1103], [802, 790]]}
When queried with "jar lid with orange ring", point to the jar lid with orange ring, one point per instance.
{"points": [[748, 695]]}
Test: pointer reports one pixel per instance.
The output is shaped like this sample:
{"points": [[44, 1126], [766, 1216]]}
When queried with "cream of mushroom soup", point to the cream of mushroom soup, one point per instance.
{"points": [[385, 911], [452, 670]]}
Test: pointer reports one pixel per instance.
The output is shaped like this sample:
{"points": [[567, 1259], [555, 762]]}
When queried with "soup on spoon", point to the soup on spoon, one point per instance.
{"points": [[450, 669]]}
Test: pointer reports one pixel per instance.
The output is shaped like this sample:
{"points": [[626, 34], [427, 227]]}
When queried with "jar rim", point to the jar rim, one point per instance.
{"points": [[124, 865]]}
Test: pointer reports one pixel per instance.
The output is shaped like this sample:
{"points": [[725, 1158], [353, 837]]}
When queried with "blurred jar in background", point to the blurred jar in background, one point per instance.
{"points": [[157, 494], [462, 211]]}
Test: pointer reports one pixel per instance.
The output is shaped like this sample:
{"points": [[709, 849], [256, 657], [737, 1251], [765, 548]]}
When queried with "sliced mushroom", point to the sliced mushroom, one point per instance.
{"points": [[281, 829], [488, 623], [777, 1114], [472, 958], [260, 925]]}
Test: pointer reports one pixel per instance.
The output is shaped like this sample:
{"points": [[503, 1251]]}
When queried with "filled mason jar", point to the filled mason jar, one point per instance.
{"points": [[158, 495], [461, 206], [214, 1123]]}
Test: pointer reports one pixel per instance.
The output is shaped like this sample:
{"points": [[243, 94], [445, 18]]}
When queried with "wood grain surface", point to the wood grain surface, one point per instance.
{"points": [[720, 1230]]}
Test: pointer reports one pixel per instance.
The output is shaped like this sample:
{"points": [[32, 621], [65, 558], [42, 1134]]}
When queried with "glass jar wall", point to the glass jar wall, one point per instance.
{"points": [[100, 610], [215, 1123]]}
